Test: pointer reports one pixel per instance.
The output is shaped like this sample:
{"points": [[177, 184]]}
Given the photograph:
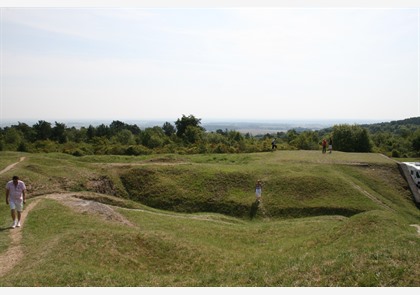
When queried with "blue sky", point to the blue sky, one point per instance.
{"points": [[222, 63]]}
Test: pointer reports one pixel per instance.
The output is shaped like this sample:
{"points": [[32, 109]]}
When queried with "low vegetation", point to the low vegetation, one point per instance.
{"points": [[340, 219], [187, 136]]}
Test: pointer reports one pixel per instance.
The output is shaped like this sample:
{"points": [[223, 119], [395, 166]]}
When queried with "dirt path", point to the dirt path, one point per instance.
{"points": [[14, 253], [11, 166]]}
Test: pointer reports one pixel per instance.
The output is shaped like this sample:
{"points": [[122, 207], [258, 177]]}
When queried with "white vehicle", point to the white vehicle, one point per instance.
{"points": [[414, 168]]}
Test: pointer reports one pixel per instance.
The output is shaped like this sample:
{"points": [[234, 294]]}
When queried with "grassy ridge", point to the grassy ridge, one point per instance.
{"points": [[295, 184], [367, 243]]}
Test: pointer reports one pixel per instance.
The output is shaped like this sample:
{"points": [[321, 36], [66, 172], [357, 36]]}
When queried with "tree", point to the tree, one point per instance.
{"points": [[185, 122], [116, 126], [291, 135], [307, 140], [90, 132], [416, 141], [193, 134], [153, 137], [168, 129], [28, 132], [43, 130], [351, 138], [124, 137], [102, 130], [135, 130], [12, 137], [58, 133], [361, 140]]}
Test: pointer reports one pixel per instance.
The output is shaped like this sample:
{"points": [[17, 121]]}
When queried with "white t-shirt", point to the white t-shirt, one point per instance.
{"points": [[16, 192]]}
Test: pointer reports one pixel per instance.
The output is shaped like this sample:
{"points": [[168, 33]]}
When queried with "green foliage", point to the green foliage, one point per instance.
{"points": [[43, 130], [416, 141], [185, 122], [58, 133], [12, 138], [307, 140], [398, 138], [169, 129], [153, 137], [351, 138]]}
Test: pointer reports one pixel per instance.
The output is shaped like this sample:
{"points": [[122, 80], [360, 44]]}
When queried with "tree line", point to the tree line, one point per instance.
{"points": [[187, 136]]}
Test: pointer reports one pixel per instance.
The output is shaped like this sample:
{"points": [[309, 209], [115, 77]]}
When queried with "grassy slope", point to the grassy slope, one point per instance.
{"points": [[375, 247]]}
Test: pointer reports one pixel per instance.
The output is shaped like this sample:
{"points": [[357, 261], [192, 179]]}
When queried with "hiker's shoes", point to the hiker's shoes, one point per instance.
{"points": [[16, 224]]}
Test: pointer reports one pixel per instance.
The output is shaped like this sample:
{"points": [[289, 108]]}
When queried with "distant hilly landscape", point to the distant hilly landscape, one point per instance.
{"points": [[254, 127]]}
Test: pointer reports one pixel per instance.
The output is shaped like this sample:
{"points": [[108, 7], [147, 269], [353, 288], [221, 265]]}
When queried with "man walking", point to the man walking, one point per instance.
{"points": [[16, 197]]}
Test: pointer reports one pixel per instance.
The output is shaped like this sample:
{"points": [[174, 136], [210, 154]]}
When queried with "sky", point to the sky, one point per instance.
{"points": [[219, 63]]}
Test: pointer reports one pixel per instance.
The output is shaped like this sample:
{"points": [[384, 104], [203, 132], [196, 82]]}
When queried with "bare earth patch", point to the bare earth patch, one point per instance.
{"points": [[417, 227], [89, 207]]}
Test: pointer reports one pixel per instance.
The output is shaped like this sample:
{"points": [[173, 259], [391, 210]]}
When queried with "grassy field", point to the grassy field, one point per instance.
{"points": [[340, 219]]}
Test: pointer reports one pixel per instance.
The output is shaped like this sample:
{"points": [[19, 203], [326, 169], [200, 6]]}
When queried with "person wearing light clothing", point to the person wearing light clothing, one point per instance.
{"points": [[258, 191], [15, 198]]}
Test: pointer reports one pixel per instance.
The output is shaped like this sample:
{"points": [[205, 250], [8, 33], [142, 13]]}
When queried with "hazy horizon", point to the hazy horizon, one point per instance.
{"points": [[213, 122], [241, 63]]}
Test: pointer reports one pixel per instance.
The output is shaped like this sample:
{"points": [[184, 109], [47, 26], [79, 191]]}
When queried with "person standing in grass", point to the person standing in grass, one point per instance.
{"points": [[258, 191], [15, 198], [324, 146]]}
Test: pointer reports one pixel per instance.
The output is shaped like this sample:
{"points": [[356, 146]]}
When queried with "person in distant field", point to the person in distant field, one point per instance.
{"points": [[273, 144], [324, 146], [330, 143], [258, 191], [15, 198]]}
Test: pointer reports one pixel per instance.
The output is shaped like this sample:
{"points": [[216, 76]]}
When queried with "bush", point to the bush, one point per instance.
{"points": [[395, 154], [351, 139], [136, 150]]}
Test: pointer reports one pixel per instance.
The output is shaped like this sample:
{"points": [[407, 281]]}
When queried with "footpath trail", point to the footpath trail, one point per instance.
{"points": [[10, 167], [14, 253]]}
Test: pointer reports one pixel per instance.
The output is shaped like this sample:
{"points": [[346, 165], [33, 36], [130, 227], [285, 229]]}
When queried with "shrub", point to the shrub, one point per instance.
{"points": [[136, 150], [395, 154]]}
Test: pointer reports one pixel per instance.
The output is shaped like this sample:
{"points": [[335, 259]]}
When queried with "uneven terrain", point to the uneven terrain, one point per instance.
{"points": [[171, 220]]}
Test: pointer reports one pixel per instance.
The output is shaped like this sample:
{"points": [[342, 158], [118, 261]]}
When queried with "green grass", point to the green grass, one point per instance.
{"points": [[192, 225]]}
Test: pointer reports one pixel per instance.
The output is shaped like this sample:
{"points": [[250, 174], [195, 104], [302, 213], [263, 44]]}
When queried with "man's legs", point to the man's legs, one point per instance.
{"points": [[13, 211], [16, 207], [19, 214], [15, 222]]}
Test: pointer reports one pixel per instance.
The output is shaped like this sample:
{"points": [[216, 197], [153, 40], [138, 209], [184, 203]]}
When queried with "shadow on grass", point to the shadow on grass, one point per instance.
{"points": [[301, 212], [254, 209]]}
